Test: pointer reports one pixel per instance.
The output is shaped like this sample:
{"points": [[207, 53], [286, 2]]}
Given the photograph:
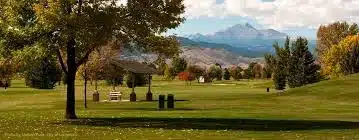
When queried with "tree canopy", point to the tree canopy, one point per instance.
{"points": [[331, 34], [343, 59], [73, 29]]}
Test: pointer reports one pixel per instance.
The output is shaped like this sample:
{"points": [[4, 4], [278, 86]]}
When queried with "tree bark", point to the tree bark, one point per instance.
{"points": [[71, 68]]}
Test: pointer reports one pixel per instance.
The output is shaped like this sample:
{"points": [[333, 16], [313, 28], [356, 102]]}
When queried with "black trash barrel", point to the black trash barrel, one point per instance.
{"points": [[161, 101], [170, 101]]}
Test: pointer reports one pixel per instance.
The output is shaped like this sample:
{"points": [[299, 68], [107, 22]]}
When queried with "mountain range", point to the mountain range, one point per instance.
{"points": [[241, 39], [236, 45]]}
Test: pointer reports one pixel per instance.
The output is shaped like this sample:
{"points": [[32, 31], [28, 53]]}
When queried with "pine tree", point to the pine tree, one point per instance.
{"points": [[280, 74], [302, 69]]}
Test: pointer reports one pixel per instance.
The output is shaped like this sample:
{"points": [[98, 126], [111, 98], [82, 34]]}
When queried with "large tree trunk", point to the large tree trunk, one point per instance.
{"points": [[71, 73]]}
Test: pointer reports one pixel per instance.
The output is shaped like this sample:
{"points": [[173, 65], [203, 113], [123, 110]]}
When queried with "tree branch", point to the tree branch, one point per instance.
{"points": [[58, 53], [84, 59]]}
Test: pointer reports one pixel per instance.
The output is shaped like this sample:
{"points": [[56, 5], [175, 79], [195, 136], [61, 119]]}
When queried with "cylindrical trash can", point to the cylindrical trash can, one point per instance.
{"points": [[149, 96], [133, 97], [161, 101], [96, 97], [170, 101]]}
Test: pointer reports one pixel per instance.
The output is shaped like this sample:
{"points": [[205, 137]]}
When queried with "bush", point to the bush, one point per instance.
{"points": [[140, 80], [43, 75]]}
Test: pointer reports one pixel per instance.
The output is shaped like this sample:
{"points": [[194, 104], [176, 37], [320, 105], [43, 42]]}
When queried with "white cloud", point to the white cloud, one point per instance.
{"points": [[280, 14]]}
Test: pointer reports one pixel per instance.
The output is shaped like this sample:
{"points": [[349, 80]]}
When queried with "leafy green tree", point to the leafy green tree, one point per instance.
{"points": [[215, 72], [197, 71], [236, 73], [43, 74], [169, 73], [113, 74], [73, 29], [226, 75], [179, 64], [247, 74]]}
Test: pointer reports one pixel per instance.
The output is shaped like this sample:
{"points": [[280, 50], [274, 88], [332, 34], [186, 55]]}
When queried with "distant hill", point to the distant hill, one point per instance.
{"points": [[187, 43], [205, 57]]}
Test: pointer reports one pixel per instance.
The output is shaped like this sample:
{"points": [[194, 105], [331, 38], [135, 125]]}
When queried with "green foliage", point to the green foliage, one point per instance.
{"points": [[215, 72], [114, 74], [294, 65], [196, 70], [43, 74], [302, 69], [179, 65], [6, 72], [140, 80], [247, 74], [280, 72], [169, 73], [226, 75], [236, 73], [74, 29], [161, 64], [270, 62]]}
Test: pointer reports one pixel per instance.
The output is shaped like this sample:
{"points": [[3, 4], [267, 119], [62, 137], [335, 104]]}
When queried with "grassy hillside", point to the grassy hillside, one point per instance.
{"points": [[221, 110]]}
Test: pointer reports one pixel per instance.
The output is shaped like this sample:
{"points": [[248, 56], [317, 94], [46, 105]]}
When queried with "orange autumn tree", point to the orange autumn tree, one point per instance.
{"points": [[186, 76]]}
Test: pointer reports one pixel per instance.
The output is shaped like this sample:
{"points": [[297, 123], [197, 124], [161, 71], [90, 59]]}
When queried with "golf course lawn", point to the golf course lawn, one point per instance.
{"points": [[220, 110]]}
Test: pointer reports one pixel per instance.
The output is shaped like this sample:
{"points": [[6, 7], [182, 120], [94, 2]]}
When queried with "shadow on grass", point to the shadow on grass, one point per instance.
{"points": [[215, 124], [153, 109]]}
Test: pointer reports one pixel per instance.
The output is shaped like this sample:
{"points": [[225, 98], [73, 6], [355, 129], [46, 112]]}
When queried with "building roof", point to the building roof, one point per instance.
{"points": [[135, 67]]}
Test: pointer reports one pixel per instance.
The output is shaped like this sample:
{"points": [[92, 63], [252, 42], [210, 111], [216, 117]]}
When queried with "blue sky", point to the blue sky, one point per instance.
{"points": [[294, 17]]}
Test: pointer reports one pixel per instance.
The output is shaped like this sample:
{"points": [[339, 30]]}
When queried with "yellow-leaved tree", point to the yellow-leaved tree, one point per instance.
{"points": [[342, 59]]}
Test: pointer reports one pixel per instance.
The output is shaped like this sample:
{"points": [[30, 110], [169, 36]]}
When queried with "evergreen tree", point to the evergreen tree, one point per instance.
{"points": [[227, 75], [302, 69], [280, 74]]}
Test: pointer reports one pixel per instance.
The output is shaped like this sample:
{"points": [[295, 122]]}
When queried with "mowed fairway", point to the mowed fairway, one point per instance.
{"points": [[221, 110]]}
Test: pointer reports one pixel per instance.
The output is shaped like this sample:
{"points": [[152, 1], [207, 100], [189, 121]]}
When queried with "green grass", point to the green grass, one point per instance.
{"points": [[239, 110]]}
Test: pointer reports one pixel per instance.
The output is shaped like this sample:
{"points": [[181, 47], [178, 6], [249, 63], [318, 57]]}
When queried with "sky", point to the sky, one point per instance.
{"points": [[294, 17]]}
